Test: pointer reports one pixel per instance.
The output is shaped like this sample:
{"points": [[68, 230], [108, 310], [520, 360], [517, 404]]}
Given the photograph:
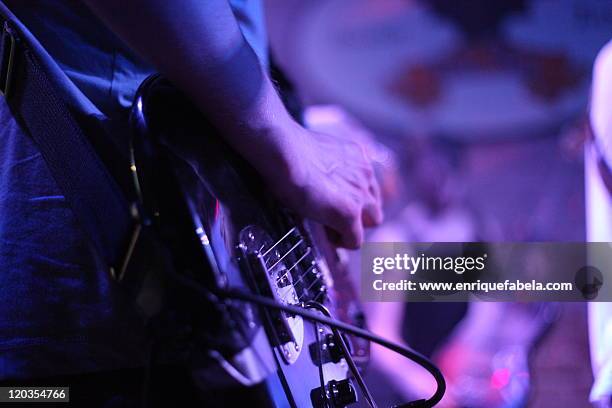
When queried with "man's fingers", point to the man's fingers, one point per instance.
{"points": [[348, 240], [372, 214], [345, 219], [333, 236], [352, 237], [361, 208]]}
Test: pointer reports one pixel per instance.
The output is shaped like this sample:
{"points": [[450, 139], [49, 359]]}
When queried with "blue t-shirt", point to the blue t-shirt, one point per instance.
{"points": [[100, 65], [59, 311]]}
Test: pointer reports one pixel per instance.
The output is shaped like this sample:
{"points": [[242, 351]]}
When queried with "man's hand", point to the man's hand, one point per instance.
{"points": [[330, 180], [198, 45]]}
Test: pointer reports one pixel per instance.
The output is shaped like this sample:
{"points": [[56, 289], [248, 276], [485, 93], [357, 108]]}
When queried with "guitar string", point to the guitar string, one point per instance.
{"points": [[319, 278], [284, 237], [308, 251], [317, 297], [285, 254], [310, 268], [304, 274], [302, 298], [305, 294], [279, 241]]}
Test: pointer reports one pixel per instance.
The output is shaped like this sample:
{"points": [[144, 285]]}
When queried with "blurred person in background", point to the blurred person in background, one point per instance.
{"points": [[485, 362], [434, 214], [598, 173]]}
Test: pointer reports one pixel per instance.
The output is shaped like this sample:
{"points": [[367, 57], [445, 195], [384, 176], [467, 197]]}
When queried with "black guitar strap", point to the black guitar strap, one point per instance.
{"points": [[35, 97]]}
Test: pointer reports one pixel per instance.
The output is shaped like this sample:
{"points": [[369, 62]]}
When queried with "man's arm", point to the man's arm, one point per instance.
{"points": [[198, 45]]}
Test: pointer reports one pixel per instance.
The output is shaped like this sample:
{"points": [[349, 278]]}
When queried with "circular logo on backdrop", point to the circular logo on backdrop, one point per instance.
{"points": [[588, 281]]}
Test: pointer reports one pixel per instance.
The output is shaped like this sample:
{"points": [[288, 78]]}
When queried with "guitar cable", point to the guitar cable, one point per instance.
{"points": [[406, 352]]}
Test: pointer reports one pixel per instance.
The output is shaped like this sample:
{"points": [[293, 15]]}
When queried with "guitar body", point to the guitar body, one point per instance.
{"points": [[222, 229]]}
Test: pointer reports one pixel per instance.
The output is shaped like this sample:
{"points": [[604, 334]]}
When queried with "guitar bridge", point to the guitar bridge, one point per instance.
{"points": [[286, 271]]}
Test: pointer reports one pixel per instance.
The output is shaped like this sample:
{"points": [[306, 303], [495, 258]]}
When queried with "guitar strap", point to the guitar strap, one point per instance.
{"points": [[34, 88]]}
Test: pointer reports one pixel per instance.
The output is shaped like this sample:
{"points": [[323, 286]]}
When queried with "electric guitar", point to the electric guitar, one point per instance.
{"points": [[222, 229]]}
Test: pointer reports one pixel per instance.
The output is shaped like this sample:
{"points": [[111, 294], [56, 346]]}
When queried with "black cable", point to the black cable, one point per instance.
{"points": [[404, 351], [345, 327]]}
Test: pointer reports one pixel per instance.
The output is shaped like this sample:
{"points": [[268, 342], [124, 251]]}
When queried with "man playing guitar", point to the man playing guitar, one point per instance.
{"points": [[60, 317]]}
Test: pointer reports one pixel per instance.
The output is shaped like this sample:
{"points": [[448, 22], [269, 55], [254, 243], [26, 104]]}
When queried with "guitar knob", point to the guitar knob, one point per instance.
{"points": [[330, 349], [342, 393], [339, 394]]}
